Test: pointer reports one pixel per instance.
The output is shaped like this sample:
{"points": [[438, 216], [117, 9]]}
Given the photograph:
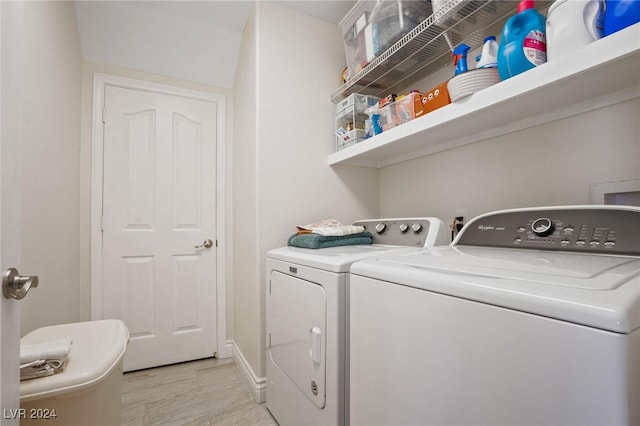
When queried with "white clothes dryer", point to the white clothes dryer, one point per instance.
{"points": [[307, 310], [530, 317]]}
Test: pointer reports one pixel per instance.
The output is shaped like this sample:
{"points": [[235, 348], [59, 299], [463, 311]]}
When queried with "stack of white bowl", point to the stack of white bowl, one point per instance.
{"points": [[470, 82]]}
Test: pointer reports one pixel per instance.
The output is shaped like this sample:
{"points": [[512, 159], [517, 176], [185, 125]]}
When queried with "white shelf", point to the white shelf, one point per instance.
{"points": [[602, 73]]}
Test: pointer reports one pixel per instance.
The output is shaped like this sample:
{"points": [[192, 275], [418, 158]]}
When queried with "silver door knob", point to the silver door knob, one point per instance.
{"points": [[206, 244], [16, 286]]}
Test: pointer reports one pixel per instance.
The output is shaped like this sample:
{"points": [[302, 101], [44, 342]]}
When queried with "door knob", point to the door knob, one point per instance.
{"points": [[16, 286], [206, 244]]}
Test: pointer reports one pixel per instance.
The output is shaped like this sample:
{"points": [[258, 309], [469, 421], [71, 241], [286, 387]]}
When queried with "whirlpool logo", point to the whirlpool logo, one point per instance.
{"points": [[490, 228]]}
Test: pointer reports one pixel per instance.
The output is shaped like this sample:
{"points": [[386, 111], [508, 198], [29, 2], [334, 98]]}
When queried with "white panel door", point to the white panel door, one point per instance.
{"points": [[11, 36], [158, 205]]}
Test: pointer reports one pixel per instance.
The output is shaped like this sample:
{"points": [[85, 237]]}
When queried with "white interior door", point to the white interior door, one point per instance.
{"points": [[10, 201], [159, 192]]}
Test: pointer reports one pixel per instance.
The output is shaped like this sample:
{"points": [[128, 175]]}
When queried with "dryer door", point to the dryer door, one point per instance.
{"points": [[297, 324]]}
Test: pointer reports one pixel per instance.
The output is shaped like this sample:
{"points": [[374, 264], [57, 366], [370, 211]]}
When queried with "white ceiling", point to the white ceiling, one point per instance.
{"points": [[190, 40]]}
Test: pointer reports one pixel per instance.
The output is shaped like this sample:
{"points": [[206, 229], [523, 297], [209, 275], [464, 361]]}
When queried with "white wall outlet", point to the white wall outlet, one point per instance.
{"points": [[464, 212]]}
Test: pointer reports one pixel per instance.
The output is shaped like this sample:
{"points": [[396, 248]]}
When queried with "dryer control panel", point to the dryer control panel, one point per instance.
{"points": [[601, 229], [410, 232]]}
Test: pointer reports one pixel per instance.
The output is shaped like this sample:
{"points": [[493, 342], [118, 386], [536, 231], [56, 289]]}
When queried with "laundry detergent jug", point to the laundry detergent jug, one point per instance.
{"points": [[523, 44], [489, 56], [572, 24], [620, 14]]}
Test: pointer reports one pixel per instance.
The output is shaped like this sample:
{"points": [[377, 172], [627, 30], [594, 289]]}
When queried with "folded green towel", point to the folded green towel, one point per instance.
{"points": [[316, 241]]}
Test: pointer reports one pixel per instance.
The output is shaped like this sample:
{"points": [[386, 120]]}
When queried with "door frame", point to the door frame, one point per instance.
{"points": [[100, 81]]}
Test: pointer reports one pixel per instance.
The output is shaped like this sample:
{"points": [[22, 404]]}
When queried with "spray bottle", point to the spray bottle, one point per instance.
{"points": [[460, 58]]}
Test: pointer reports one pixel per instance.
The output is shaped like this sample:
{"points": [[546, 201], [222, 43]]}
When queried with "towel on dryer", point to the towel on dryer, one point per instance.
{"points": [[317, 241], [330, 228]]}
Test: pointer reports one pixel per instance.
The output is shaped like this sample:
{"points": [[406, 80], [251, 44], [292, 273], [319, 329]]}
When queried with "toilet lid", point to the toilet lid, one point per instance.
{"points": [[97, 348]]}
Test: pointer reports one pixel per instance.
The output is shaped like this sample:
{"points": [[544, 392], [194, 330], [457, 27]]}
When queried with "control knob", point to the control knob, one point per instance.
{"points": [[542, 227], [416, 228], [403, 227], [380, 228]]}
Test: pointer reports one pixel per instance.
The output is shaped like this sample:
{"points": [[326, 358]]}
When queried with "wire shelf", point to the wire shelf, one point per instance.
{"points": [[425, 49]]}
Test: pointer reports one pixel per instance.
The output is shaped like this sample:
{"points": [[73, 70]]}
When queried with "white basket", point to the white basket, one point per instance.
{"points": [[470, 82]]}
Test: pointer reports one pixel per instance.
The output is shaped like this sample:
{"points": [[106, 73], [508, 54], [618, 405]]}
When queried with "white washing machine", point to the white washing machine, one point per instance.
{"points": [[307, 309], [530, 317]]}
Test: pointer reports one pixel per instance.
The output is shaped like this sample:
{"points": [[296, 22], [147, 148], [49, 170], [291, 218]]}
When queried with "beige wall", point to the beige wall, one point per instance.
{"points": [[245, 228], [289, 65], [50, 162], [554, 163]]}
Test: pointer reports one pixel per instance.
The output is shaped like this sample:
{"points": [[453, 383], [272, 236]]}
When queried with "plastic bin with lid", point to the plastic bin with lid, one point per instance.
{"points": [[89, 390], [371, 27]]}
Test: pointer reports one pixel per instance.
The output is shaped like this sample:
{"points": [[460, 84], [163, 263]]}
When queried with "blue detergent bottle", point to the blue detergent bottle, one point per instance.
{"points": [[620, 14], [523, 44]]}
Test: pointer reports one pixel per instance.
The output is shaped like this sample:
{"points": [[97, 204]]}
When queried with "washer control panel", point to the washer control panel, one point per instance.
{"points": [[410, 232], [614, 230]]}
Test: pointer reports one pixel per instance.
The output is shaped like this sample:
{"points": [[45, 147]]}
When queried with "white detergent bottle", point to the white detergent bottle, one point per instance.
{"points": [[572, 24], [489, 56]]}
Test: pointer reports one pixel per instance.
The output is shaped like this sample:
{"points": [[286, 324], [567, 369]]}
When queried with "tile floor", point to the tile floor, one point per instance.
{"points": [[205, 392]]}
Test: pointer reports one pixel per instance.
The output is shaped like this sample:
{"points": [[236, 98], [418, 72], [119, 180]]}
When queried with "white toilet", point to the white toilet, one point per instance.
{"points": [[89, 390]]}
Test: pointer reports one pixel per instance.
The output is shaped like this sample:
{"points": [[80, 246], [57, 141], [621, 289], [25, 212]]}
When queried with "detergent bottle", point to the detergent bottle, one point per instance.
{"points": [[523, 43], [620, 14], [572, 24], [489, 56], [460, 58]]}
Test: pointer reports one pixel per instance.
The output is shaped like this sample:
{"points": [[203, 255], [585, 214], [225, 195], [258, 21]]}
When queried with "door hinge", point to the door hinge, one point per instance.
{"points": [[216, 243], [104, 115], [101, 223]]}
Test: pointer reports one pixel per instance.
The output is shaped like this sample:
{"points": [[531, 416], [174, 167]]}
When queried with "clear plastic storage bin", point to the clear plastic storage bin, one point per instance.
{"points": [[371, 27], [350, 119], [408, 107]]}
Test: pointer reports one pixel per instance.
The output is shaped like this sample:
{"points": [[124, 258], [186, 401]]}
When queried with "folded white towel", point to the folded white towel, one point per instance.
{"points": [[338, 231], [55, 350], [330, 228]]}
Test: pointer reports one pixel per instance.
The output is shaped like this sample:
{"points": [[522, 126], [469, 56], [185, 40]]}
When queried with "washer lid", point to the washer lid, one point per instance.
{"points": [[595, 290], [592, 272], [97, 348]]}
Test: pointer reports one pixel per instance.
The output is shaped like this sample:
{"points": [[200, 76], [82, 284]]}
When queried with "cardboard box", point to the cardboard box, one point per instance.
{"points": [[435, 98]]}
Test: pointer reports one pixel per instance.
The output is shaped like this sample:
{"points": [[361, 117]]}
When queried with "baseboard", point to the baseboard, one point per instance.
{"points": [[227, 352], [257, 385]]}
